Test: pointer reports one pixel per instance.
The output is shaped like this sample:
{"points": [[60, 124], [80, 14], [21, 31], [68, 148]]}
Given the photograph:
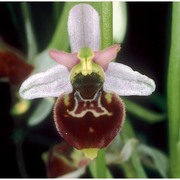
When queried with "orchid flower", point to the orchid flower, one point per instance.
{"points": [[62, 161], [88, 113]]}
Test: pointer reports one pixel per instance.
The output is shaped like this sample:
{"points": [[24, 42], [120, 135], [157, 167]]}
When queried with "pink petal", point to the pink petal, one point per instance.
{"points": [[104, 57], [63, 58]]}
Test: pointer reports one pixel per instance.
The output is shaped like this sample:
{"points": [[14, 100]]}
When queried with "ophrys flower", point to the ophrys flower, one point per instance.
{"points": [[88, 113]]}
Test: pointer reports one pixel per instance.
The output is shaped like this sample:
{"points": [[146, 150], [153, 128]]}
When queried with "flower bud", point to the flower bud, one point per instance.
{"points": [[13, 67]]}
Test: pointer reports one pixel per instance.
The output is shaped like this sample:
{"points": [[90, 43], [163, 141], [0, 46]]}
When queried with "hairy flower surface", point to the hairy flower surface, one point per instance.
{"points": [[89, 112]]}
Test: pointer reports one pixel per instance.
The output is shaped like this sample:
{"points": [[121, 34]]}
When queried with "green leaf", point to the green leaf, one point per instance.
{"points": [[132, 168], [17, 21], [143, 113], [173, 92], [57, 9], [31, 41], [41, 112], [93, 170], [160, 161], [60, 39], [14, 16]]}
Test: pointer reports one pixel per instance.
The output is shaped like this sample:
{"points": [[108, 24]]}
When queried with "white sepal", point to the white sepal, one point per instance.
{"points": [[84, 28], [122, 80], [51, 83]]}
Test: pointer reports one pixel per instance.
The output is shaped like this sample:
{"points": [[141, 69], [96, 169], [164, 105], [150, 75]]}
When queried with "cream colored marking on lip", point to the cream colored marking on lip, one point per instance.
{"points": [[66, 100], [83, 113], [108, 97]]}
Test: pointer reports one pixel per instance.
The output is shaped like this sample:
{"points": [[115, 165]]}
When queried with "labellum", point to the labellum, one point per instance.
{"points": [[85, 123]]}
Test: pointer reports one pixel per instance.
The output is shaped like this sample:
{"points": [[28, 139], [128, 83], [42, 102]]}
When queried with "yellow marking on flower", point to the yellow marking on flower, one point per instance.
{"points": [[86, 65], [86, 55], [66, 100], [108, 97], [90, 153], [21, 107]]}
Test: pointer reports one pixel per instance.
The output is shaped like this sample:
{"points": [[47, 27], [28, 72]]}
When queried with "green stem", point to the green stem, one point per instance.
{"points": [[101, 164], [106, 24], [31, 41], [105, 12], [173, 93]]}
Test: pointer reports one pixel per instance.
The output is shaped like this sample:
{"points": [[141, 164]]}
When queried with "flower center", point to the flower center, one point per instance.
{"points": [[86, 55], [87, 77], [86, 66]]}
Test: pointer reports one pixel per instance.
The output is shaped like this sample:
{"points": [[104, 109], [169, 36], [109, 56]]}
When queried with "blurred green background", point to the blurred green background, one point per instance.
{"points": [[145, 48]]}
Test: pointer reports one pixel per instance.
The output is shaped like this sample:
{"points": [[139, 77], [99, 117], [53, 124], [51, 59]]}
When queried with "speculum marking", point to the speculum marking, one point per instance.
{"points": [[83, 106]]}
